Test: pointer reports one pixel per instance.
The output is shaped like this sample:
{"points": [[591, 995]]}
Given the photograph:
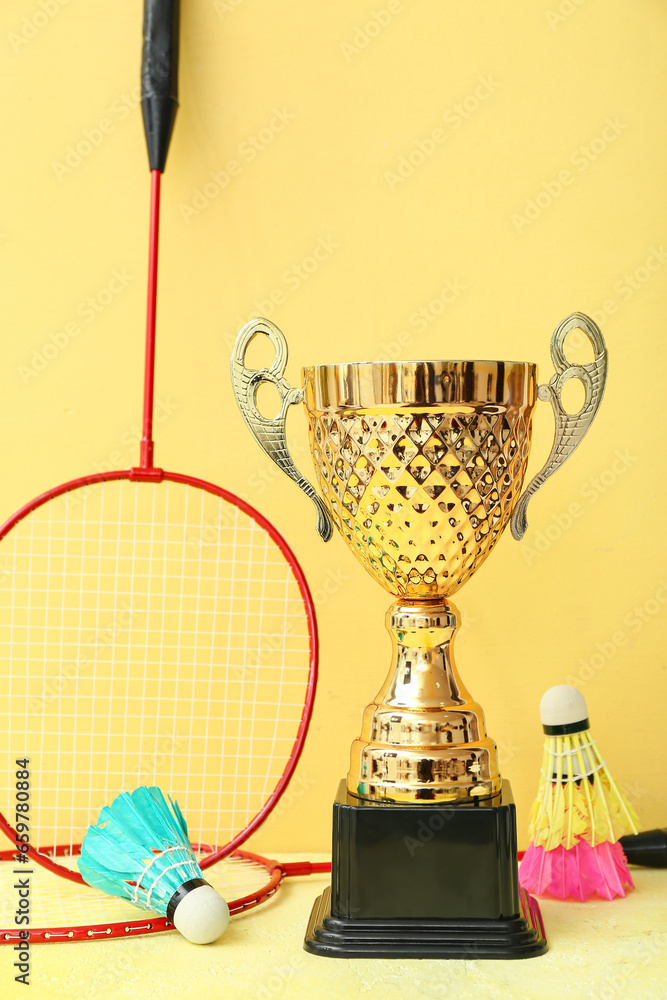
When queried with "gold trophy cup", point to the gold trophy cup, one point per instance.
{"points": [[420, 465]]}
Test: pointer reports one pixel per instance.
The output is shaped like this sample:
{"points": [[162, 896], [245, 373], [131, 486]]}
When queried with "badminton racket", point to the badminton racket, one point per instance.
{"points": [[154, 628], [61, 911]]}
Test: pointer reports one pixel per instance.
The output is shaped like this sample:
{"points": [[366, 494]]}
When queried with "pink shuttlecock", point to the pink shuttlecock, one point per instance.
{"points": [[579, 813]]}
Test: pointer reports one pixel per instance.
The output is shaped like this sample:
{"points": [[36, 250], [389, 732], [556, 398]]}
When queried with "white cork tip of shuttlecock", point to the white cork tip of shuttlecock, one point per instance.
{"points": [[563, 705], [202, 915]]}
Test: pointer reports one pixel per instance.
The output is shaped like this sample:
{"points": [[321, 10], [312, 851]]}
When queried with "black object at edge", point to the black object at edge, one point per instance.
{"points": [[159, 77], [648, 848], [567, 728], [181, 893]]}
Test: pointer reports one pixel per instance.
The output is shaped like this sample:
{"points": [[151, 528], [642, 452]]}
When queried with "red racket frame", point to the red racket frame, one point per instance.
{"points": [[153, 925], [159, 475]]}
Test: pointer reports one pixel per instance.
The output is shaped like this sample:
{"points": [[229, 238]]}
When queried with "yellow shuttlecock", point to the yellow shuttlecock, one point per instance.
{"points": [[577, 796]]}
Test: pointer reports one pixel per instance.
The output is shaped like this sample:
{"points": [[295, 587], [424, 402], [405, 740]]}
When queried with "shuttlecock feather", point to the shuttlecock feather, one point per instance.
{"points": [[579, 813], [139, 850]]}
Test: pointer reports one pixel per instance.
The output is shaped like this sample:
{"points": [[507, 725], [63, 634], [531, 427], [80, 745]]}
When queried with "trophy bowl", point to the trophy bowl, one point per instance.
{"points": [[420, 466], [420, 463]]}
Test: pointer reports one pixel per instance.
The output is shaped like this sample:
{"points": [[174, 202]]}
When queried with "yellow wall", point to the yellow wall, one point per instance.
{"points": [[346, 89]]}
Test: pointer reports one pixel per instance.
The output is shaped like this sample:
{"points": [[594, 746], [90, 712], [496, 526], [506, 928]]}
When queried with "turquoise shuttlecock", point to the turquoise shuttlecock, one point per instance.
{"points": [[139, 850]]}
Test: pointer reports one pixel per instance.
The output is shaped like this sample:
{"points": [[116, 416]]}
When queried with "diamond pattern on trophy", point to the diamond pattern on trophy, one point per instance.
{"points": [[384, 475]]}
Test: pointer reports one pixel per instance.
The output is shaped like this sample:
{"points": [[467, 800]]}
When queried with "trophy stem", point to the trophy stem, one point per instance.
{"points": [[423, 739]]}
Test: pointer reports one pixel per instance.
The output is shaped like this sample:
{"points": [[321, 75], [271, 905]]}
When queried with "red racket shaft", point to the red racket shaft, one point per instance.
{"points": [[159, 103], [151, 318]]}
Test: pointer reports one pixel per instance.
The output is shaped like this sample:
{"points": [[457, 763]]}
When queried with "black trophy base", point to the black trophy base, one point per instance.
{"points": [[425, 881], [335, 937]]}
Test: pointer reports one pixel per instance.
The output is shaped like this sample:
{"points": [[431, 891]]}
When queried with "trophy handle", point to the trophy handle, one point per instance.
{"points": [[570, 428], [270, 433]]}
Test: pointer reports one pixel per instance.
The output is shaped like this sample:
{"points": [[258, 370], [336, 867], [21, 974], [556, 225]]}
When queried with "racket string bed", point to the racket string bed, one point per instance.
{"points": [[62, 910], [101, 697]]}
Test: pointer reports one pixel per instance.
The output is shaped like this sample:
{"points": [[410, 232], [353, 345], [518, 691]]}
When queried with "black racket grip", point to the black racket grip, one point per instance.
{"points": [[648, 848], [159, 77]]}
